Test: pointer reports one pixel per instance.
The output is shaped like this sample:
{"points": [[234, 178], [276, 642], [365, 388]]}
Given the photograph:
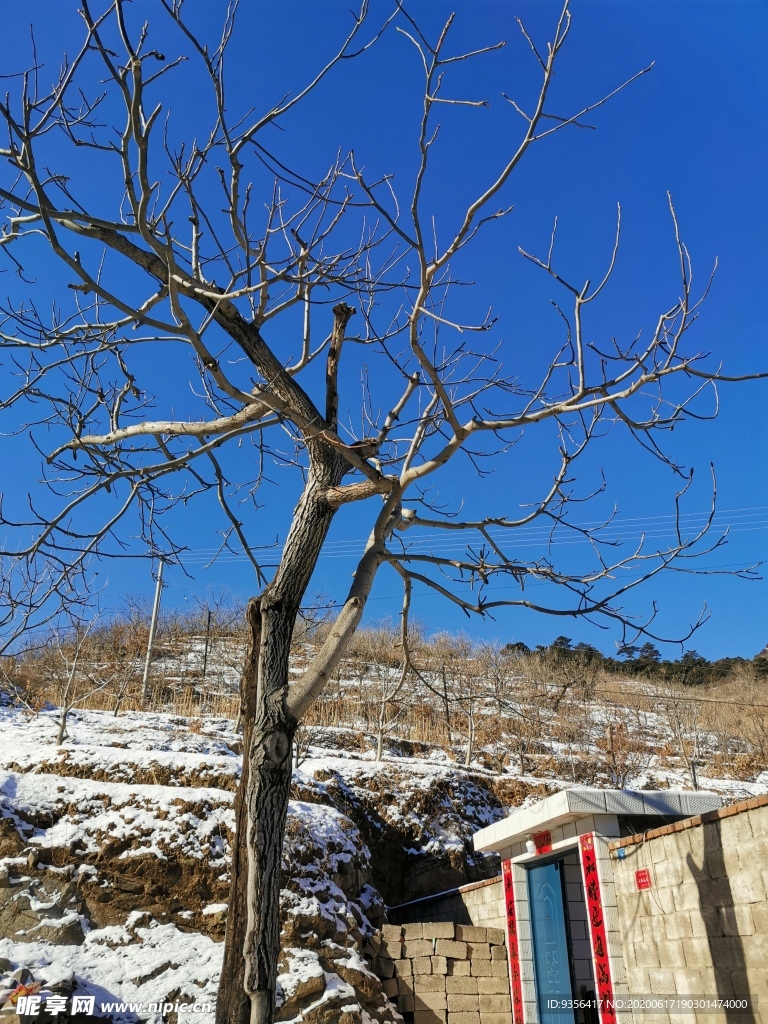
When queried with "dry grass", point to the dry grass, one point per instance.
{"points": [[538, 714]]}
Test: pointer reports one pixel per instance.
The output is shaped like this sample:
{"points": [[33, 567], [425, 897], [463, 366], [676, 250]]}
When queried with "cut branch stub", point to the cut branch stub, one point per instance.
{"points": [[342, 314], [277, 746]]}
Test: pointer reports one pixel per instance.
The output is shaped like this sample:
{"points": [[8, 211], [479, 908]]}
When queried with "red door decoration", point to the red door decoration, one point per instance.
{"points": [[542, 841], [597, 929], [513, 950]]}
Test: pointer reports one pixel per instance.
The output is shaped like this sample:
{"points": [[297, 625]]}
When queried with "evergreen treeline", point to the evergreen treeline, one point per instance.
{"points": [[645, 660]]}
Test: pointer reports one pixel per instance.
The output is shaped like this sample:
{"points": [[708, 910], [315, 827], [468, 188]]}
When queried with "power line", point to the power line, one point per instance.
{"points": [[746, 519], [445, 546], [546, 583]]}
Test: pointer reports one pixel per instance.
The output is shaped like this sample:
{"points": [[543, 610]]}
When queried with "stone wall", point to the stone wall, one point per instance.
{"points": [[478, 903], [701, 929], [445, 973]]}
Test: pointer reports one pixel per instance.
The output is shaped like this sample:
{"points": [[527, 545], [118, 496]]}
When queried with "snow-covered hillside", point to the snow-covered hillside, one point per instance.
{"points": [[114, 857]]}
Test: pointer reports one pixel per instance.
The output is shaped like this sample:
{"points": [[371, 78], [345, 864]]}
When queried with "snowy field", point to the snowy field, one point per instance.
{"points": [[120, 792]]}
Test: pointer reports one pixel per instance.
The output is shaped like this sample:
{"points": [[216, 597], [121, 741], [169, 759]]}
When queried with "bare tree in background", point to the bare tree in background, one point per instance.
{"points": [[441, 672], [683, 719], [37, 592], [622, 752], [205, 243], [385, 646], [75, 684]]}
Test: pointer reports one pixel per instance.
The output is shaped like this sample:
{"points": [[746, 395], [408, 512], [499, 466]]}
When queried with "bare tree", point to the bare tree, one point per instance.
{"points": [[387, 682], [497, 669], [74, 683], [442, 673], [252, 287], [542, 685], [622, 752], [35, 593], [472, 695], [683, 718]]}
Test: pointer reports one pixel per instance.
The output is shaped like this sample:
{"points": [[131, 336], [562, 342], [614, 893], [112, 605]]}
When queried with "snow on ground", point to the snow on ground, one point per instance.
{"points": [[116, 819], [136, 731], [85, 798], [129, 964], [133, 817], [100, 817], [414, 796]]}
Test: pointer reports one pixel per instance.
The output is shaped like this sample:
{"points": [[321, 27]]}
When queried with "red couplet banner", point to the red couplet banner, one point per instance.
{"points": [[597, 929], [513, 949]]}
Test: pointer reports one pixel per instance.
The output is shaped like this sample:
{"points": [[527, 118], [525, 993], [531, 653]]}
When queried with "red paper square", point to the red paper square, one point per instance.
{"points": [[643, 878]]}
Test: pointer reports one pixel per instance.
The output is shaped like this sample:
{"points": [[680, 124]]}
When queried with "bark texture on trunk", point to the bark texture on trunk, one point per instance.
{"points": [[267, 793], [233, 1004], [252, 943]]}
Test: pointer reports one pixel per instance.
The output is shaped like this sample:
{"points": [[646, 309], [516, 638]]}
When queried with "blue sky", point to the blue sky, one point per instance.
{"points": [[693, 126]]}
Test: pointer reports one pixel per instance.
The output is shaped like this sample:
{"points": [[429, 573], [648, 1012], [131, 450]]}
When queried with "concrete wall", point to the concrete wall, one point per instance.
{"points": [[441, 973], [702, 927], [478, 903]]}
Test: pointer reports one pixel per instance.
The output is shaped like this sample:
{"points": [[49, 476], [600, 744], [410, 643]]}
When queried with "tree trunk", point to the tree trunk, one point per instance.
{"points": [[252, 942], [447, 709], [470, 739], [380, 731], [62, 725], [267, 793], [233, 1005]]}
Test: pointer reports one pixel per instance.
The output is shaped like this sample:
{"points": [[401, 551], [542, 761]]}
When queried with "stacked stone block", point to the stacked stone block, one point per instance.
{"points": [[484, 902], [445, 973]]}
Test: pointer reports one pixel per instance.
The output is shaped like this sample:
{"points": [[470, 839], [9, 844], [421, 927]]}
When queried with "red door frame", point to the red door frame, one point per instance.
{"points": [[599, 940], [513, 948], [600, 959]]}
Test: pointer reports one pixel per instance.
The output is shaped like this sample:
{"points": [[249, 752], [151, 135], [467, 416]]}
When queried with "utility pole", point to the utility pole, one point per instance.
{"points": [[207, 640], [152, 631]]}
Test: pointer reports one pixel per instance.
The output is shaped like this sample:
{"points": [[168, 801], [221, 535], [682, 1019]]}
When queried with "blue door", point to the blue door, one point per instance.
{"points": [[550, 943]]}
